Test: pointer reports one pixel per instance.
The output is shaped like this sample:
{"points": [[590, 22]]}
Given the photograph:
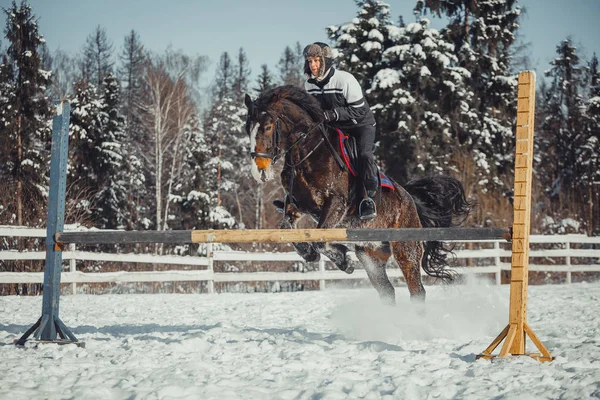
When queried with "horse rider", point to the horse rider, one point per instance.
{"points": [[345, 107]]}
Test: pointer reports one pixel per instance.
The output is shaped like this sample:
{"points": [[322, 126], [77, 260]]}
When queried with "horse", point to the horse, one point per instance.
{"points": [[288, 123]]}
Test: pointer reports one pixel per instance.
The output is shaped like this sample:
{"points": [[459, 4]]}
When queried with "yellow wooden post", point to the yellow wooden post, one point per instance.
{"points": [[514, 335]]}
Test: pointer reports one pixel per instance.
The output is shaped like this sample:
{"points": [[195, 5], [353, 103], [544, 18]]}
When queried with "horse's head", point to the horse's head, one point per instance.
{"points": [[263, 128], [278, 121]]}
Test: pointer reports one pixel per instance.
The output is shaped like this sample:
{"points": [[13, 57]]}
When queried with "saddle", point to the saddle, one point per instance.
{"points": [[349, 151], [348, 148]]}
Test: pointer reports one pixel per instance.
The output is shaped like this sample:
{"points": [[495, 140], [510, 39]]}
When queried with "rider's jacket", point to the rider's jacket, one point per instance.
{"points": [[340, 91]]}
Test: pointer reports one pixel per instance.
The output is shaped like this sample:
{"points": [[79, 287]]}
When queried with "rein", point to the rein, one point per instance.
{"points": [[277, 139]]}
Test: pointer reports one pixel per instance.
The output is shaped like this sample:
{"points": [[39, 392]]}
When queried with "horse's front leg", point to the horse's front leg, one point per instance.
{"points": [[304, 250], [332, 213]]}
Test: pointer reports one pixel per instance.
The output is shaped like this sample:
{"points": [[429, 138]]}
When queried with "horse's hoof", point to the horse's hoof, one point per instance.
{"points": [[348, 268], [311, 257]]}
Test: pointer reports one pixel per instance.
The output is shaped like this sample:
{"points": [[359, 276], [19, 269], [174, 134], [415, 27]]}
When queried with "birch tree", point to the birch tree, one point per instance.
{"points": [[168, 107]]}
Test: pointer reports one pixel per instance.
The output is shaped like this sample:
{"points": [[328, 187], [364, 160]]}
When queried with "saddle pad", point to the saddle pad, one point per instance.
{"points": [[383, 179]]}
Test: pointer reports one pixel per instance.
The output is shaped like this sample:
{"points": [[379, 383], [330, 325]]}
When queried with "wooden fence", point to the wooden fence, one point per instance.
{"points": [[569, 250]]}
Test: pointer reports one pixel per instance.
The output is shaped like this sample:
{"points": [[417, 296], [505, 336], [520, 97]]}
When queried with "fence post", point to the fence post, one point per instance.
{"points": [[210, 267], [568, 260], [322, 271], [497, 263], [73, 266]]}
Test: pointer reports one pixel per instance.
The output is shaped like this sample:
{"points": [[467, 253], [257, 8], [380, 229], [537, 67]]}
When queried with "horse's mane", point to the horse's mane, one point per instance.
{"points": [[293, 94]]}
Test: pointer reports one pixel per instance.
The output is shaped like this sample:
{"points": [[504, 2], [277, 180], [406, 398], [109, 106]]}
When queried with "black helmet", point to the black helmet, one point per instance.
{"points": [[318, 49]]}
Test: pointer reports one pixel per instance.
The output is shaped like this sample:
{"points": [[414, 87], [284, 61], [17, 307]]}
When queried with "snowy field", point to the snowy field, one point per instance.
{"points": [[334, 344]]}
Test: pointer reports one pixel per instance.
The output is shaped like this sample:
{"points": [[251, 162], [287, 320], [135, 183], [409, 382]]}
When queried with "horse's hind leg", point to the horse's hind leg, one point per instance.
{"points": [[408, 255], [374, 261]]}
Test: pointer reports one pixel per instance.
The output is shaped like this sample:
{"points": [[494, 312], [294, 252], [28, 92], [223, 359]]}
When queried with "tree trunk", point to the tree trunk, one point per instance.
{"points": [[158, 173], [590, 229], [158, 182], [467, 24], [19, 175], [257, 214], [171, 178], [239, 206], [219, 169]]}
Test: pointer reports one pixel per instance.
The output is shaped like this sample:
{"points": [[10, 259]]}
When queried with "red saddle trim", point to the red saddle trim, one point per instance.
{"points": [[383, 179], [343, 151]]}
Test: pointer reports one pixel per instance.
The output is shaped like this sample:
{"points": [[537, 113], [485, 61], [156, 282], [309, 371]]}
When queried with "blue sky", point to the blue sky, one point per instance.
{"points": [[264, 27]]}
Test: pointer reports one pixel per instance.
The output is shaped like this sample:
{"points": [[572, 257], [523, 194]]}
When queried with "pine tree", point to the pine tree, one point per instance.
{"points": [[84, 134], [291, 66], [27, 132], [8, 114], [130, 74], [361, 43], [228, 143], [264, 81], [241, 78], [224, 78], [133, 59], [196, 195], [460, 12], [483, 33], [493, 34], [563, 127], [420, 93], [97, 57], [111, 173], [589, 158]]}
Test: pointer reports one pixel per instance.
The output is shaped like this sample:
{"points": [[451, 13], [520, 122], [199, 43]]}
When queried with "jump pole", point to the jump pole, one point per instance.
{"points": [[283, 235], [515, 333]]}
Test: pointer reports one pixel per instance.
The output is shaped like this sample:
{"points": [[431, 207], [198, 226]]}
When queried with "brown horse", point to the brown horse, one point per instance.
{"points": [[287, 123]]}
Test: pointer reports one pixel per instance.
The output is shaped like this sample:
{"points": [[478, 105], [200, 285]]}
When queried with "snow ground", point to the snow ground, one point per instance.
{"points": [[334, 344]]}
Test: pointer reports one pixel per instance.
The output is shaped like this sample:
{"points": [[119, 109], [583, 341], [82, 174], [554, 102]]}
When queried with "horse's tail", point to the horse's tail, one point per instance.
{"points": [[440, 202]]}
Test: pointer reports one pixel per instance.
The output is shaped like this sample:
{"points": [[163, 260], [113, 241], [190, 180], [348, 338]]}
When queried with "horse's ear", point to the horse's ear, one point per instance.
{"points": [[248, 101]]}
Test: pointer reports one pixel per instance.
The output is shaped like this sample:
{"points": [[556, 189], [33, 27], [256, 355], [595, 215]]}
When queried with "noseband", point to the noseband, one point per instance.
{"points": [[276, 152]]}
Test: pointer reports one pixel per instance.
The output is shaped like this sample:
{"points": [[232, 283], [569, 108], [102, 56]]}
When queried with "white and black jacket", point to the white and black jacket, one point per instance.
{"points": [[340, 91]]}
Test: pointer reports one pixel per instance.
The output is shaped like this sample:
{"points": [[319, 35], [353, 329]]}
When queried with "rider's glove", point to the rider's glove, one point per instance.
{"points": [[330, 115]]}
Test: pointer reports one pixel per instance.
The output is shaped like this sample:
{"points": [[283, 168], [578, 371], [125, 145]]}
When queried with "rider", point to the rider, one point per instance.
{"points": [[345, 107]]}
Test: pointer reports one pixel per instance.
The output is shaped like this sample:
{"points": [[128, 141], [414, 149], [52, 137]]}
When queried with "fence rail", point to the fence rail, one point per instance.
{"points": [[322, 274]]}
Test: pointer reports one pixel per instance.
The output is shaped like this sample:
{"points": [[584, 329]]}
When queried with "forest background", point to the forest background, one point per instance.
{"points": [[151, 149]]}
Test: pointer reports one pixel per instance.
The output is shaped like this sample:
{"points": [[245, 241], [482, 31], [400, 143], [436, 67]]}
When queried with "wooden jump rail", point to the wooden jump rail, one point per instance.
{"points": [[283, 235], [49, 325]]}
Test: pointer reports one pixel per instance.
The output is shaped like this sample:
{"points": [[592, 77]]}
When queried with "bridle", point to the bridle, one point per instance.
{"points": [[277, 153]]}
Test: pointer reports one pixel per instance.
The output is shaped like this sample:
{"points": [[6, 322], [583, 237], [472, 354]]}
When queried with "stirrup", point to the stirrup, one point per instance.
{"points": [[367, 216]]}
